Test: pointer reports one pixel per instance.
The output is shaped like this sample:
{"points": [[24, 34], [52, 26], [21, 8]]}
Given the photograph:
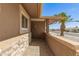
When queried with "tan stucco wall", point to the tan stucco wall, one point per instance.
{"points": [[60, 47], [37, 27], [9, 20], [23, 12]]}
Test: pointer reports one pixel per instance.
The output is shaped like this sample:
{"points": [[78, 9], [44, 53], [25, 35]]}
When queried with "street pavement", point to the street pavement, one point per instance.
{"points": [[68, 35]]}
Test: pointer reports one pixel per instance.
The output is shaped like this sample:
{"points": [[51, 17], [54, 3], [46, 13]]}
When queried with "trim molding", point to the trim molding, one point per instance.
{"points": [[37, 19]]}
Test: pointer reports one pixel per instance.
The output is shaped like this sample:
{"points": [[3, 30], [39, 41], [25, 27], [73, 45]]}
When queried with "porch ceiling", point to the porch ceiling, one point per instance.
{"points": [[52, 19], [33, 9]]}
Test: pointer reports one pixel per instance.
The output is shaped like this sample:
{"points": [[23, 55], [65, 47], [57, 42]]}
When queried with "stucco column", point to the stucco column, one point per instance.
{"points": [[47, 26]]}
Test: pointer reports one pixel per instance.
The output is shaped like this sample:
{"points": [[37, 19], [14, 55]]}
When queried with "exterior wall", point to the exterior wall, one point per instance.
{"points": [[10, 28], [28, 29], [23, 12], [9, 20], [14, 46], [60, 47], [38, 28]]}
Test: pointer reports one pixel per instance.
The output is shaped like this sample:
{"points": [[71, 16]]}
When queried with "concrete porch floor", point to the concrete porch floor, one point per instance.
{"points": [[38, 47]]}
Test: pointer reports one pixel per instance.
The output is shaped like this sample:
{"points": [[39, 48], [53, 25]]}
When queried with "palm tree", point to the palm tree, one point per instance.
{"points": [[63, 18]]}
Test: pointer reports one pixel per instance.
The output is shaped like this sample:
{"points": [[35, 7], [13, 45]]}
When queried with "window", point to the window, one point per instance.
{"points": [[24, 22]]}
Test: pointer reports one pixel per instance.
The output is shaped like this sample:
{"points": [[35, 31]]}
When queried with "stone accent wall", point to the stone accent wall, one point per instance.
{"points": [[14, 46]]}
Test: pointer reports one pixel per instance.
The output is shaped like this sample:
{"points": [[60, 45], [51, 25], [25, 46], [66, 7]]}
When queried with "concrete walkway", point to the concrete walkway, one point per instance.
{"points": [[38, 47]]}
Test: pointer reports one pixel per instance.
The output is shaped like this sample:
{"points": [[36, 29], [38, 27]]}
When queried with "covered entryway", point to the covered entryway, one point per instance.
{"points": [[38, 45], [37, 28]]}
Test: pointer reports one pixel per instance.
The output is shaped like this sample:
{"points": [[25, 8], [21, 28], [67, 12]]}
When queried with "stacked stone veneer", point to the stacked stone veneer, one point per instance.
{"points": [[15, 46]]}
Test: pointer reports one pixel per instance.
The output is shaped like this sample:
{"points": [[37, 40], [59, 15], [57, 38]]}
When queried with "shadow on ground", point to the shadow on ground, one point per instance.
{"points": [[43, 47]]}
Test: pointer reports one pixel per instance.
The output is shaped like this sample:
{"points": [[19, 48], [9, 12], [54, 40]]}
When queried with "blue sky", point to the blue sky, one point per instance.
{"points": [[72, 9], [68, 25]]}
